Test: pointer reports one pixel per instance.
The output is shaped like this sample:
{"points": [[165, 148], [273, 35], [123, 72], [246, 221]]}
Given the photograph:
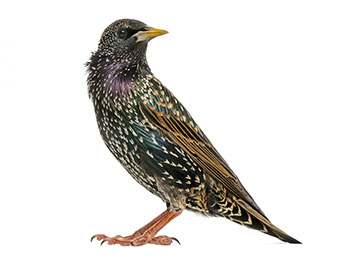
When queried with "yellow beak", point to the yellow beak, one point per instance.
{"points": [[150, 34]]}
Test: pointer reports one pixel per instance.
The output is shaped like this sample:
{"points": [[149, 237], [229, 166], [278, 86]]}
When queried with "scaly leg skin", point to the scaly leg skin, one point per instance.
{"points": [[146, 234]]}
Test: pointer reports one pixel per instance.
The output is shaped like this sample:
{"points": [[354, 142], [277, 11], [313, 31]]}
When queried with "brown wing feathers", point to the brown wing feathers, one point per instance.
{"points": [[196, 144], [181, 128]]}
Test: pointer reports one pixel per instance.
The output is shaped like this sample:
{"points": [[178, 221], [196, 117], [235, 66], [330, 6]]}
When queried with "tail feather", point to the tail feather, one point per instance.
{"points": [[251, 218], [274, 231]]}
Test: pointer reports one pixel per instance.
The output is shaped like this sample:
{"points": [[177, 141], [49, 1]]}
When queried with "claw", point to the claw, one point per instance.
{"points": [[175, 239], [92, 238], [103, 241]]}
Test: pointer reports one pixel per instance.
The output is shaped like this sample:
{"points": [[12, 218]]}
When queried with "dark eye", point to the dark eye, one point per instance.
{"points": [[122, 34]]}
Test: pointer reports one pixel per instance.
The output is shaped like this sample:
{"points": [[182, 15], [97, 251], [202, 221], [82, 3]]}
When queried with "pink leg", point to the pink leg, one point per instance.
{"points": [[145, 234]]}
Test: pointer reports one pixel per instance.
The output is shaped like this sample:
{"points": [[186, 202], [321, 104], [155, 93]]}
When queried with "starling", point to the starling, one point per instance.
{"points": [[156, 140]]}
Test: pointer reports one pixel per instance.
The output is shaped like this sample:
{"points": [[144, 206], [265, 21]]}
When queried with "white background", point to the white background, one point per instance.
{"points": [[270, 82]]}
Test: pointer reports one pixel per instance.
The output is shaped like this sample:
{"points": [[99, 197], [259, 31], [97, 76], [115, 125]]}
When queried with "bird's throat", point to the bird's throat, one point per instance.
{"points": [[112, 78], [118, 78]]}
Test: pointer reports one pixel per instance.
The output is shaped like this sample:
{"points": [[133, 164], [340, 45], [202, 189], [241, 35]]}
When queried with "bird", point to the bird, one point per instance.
{"points": [[158, 143]]}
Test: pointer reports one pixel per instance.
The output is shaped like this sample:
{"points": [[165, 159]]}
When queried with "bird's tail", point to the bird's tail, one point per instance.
{"points": [[247, 216]]}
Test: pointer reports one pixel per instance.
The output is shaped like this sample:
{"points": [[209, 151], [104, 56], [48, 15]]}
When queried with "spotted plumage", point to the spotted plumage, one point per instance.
{"points": [[155, 138]]}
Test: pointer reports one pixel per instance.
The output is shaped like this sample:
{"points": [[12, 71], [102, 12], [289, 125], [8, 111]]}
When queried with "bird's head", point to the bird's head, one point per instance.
{"points": [[127, 36], [120, 57]]}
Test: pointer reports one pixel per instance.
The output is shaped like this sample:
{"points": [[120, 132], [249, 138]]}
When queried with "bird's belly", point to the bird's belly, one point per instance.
{"points": [[121, 142]]}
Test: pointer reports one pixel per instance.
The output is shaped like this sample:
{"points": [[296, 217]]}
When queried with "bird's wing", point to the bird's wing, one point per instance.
{"points": [[165, 113]]}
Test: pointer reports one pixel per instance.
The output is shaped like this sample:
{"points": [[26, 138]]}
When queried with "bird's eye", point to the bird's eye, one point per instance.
{"points": [[122, 34]]}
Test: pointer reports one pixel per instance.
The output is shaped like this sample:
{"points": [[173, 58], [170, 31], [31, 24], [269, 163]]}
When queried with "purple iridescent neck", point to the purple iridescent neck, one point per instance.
{"points": [[111, 76], [118, 78]]}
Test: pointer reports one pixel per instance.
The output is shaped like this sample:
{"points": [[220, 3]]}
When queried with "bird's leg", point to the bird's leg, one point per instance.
{"points": [[145, 234]]}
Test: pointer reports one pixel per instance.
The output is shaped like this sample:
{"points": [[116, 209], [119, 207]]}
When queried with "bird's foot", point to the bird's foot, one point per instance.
{"points": [[135, 240], [146, 234]]}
